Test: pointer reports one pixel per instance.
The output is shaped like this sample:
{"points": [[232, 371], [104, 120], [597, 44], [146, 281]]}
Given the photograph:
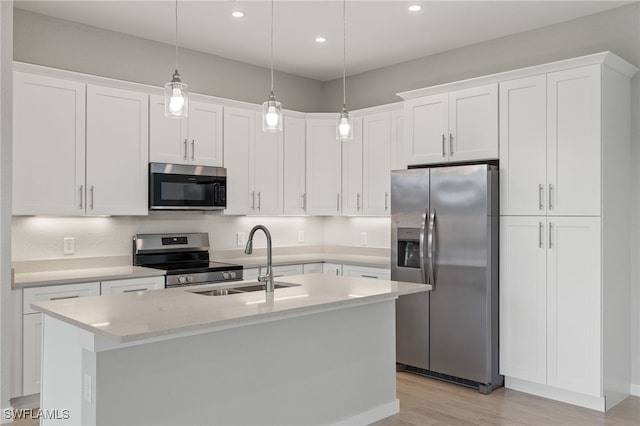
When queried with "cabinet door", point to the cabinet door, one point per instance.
{"points": [[574, 132], [284, 270], [117, 151], [332, 268], [323, 167], [31, 353], [426, 129], [376, 173], [205, 134], [352, 197], [266, 169], [131, 285], [574, 304], [239, 133], [473, 123], [523, 298], [294, 165], [312, 268], [167, 136], [523, 146], [48, 145], [398, 155]]}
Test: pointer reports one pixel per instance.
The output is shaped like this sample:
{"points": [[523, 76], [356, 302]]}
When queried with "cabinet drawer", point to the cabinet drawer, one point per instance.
{"points": [[332, 268], [67, 291], [131, 285], [366, 272], [280, 271], [312, 268]]}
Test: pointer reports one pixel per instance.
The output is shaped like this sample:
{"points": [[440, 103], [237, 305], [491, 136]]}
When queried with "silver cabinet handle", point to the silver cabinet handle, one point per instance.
{"points": [[358, 202], [91, 191], [134, 290], [431, 241], [540, 197], [337, 271], [444, 152], [64, 297], [386, 201], [259, 200], [185, 149], [368, 276], [304, 202], [550, 197], [550, 234], [81, 195], [193, 149], [539, 234], [451, 144], [253, 200], [338, 201]]}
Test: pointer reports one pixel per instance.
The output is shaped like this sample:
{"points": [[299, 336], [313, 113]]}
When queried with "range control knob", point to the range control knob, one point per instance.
{"points": [[226, 275], [182, 279], [189, 278]]}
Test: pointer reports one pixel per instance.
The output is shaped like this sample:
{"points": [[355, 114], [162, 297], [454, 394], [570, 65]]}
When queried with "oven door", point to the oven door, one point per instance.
{"points": [[187, 188]]}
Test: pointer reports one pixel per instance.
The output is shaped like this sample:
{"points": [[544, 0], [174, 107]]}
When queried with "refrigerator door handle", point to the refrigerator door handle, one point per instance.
{"points": [[431, 242], [422, 247]]}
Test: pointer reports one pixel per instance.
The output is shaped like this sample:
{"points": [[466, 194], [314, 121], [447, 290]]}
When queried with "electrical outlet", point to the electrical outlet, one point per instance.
{"points": [[301, 236], [363, 238], [69, 245], [241, 239]]}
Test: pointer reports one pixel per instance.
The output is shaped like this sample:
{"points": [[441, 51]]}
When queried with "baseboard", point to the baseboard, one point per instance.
{"points": [[371, 416], [587, 401], [635, 389]]}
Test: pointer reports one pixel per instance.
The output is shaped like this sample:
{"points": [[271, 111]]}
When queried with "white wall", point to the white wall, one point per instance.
{"points": [[6, 92], [346, 231]]}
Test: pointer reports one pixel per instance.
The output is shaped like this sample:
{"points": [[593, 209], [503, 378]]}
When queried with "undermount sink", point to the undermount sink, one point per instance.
{"points": [[242, 289]]}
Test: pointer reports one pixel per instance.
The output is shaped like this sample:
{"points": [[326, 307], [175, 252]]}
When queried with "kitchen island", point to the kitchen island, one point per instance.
{"points": [[319, 352]]}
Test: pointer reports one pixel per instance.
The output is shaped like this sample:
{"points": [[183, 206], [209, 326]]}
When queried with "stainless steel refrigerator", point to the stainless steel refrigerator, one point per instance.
{"points": [[444, 232]]}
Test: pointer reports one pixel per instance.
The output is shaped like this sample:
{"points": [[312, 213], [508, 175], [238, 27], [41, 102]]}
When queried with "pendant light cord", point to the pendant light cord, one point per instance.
{"points": [[176, 35], [344, 54], [272, 47]]}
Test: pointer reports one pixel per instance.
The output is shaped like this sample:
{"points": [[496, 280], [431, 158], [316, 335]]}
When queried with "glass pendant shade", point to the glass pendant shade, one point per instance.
{"points": [[272, 115], [344, 127], [176, 98]]}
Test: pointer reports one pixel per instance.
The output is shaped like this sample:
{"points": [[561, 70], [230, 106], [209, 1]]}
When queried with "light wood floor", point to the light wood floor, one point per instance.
{"points": [[428, 402]]}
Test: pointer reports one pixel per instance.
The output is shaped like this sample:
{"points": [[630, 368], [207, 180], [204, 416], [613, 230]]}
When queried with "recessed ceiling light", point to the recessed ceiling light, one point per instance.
{"points": [[237, 14], [415, 8], [320, 39]]}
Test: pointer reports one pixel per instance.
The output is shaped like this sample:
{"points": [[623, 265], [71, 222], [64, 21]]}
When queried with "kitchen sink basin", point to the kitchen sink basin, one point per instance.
{"points": [[242, 289]]}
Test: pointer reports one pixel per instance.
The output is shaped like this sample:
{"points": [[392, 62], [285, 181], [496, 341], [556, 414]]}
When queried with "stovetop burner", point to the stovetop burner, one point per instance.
{"points": [[185, 257]]}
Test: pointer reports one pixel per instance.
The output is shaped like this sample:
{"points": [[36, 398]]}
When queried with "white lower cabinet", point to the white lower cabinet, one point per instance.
{"points": [[366, 272], [312, 268], [550, 302], [32, 327], [131, 285], [332, 268]]}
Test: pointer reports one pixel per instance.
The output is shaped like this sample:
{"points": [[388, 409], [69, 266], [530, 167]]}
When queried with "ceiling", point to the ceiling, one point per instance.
{"points": [[378, 33]]}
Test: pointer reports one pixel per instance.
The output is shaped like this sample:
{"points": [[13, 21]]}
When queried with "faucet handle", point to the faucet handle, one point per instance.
{"points": [[263, 278]]}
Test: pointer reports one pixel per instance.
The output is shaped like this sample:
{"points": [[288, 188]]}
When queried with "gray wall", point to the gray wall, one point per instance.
{"points": [[57, 43], [616, 30]]}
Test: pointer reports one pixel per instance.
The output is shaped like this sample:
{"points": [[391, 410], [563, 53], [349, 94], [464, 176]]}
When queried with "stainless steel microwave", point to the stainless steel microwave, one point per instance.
{"points": [[187, 187]]}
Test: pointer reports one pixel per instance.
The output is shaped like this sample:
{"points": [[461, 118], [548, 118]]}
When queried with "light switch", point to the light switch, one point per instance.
{"points": [[69, 245], [301, 236], [363, 238]]}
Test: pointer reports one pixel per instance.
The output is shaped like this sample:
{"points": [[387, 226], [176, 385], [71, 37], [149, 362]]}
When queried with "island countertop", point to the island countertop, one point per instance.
{"points": [[160, 313]]}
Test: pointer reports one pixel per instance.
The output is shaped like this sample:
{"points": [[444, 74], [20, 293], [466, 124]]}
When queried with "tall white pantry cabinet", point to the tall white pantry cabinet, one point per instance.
{"points": [[564, 234]]}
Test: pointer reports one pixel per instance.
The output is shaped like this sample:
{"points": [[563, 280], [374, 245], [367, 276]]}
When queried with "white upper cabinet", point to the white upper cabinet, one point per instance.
{"points": [[461, 125], [376, 153], [266, 171], [294, 165], [117, 151], [239, 135], [398, 154], [550, 132], [193, 140], [573, 141], [48, 145], [523, 146], [352, 196], [324, 164]]}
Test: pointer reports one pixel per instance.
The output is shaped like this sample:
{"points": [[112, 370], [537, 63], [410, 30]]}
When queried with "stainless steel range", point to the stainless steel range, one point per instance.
{"points": [[185, 257]]}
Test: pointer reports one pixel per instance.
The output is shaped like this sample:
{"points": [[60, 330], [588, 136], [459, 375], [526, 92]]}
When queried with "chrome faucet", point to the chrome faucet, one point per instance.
{"points": [[267, 278]]}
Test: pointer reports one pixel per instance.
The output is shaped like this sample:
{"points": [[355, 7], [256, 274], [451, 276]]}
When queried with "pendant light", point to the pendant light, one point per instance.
{"points": [[176, 99], [344, 128], [272, 109]]}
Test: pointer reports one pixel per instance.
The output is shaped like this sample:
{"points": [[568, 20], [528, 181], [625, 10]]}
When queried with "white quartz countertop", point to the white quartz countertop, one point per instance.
{"points": [[156, 313], [83, 275]]}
